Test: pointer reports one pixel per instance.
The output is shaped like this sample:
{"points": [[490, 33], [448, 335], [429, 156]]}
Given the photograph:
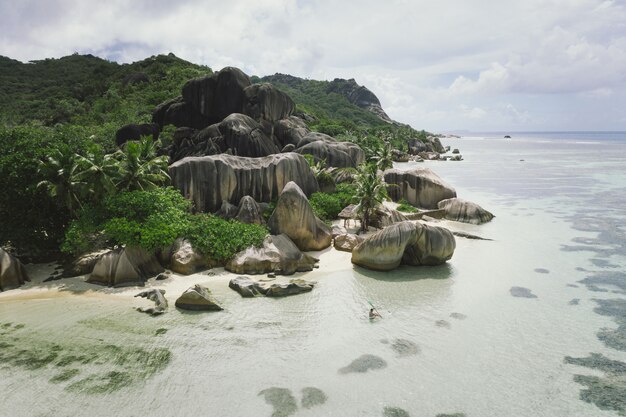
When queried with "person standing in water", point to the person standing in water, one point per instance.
{"points": [[374, 314]]}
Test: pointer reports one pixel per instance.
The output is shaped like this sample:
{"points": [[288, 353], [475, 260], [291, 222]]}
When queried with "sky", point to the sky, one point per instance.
{"points": [[478, 65]]}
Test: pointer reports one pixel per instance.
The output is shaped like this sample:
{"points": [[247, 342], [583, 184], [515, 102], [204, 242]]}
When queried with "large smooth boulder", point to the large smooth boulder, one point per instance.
{"points": [[405, 243], [247, 287], [83, 264], [294, 217], [264, 102], [421, 187], [464, 211], [12, 272], [135, 132], [210, 180], [251, 288], [197, 298], [382, 217], [278, 255], [346, 242], [290, 131], [336, 154], [184, 259], [125, 267]]}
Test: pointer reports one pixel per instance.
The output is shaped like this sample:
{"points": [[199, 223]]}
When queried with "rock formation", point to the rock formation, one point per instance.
{"points": [[83, 264], [464, 211], [210, 180], [197, 298], [290, 131], [405, 243], [135, 132], [249, 211], [359, 95], [124, 267], [12, 272], [160, 303], [382, 217], [265, 103], [183, 259], [421, 187], [294, 217], [278, 255], [250, 288], [346, 242], [336, 154]]}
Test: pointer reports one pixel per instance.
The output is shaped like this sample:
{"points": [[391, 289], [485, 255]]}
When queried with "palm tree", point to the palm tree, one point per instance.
{"points": [[98, 172], [370, 192], [140, 167], [61, 181], [383, 157]]}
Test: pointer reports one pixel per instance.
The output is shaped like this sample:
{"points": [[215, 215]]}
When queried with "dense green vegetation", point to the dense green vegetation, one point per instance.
{"points": [[328, 205]]}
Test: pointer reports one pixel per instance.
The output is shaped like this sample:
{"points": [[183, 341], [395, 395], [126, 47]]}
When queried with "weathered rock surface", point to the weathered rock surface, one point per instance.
{"points": [[264, 102], [83, 264], [197, 298], [12, 272], [278, 255], [382, 217], [183, 259], [347, 242], [249, 211], [135, 132], [359, 95], [290, 131], [125, 267], [405, 243], [421, 187], [251, 288], [294, 217], [336, 154], [464, 211], [336, 230], [160, 303], [431, 144], [210, 180]]}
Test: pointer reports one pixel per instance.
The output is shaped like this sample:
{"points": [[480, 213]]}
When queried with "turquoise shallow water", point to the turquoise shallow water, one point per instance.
{"points": [[453, 338]]}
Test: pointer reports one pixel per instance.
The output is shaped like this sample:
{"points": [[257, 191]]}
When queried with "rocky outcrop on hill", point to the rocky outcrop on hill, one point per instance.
{"points": [[405, 243], [359, 95], [278, 255], [12, 272], [464, 211], [210, 180], [290, 131], [421, 187], [197, 298], [336, 154], [124, 267], [135, 132], [294, 217], [265, 103]]}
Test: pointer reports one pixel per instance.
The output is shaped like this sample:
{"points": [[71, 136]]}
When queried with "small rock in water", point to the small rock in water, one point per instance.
{"points": [[458, 316], [404, 347], [312, 397], [574, 302], [443, 323], [522, 292], [363, 364], [542, 271]]}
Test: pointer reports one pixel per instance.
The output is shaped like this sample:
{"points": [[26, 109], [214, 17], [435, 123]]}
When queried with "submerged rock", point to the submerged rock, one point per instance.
{"points": [[421, 187], [522, 292], [210, 180], [12, 272], [160, 303], [363, 364], [405, 243], [125, 267], [464, 211], [312, 397], [282, 400], [197, 298], [278, 255], [295, 218]]}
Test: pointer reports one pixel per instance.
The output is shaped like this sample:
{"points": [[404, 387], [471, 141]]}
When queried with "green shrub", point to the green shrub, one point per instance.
{"points": [[328, 206], [221, 239], [406, 207]]}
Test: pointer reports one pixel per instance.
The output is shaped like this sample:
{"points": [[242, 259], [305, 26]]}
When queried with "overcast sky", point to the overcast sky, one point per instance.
{"points": [[438, 65]]}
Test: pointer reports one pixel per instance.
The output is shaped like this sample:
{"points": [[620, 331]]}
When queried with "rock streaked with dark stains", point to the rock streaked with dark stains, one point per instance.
{"points": [[210, 180], [522, 292], [405, 243], [12, 272], [294, 217], [464, 211], [282, 400], [197, 298], [312, 397], [251, 288], [421, 187], [125, 267], [277, 255], [264, 102], [336, 154], [364, 363]]}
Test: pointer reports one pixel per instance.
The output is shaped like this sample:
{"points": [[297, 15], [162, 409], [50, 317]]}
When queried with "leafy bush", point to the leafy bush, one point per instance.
{"points": [[406, 207], [221, 239], [328, 206]]}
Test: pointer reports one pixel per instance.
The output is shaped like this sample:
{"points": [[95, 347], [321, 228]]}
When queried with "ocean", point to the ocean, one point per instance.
{"points": [[531, 323]]}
